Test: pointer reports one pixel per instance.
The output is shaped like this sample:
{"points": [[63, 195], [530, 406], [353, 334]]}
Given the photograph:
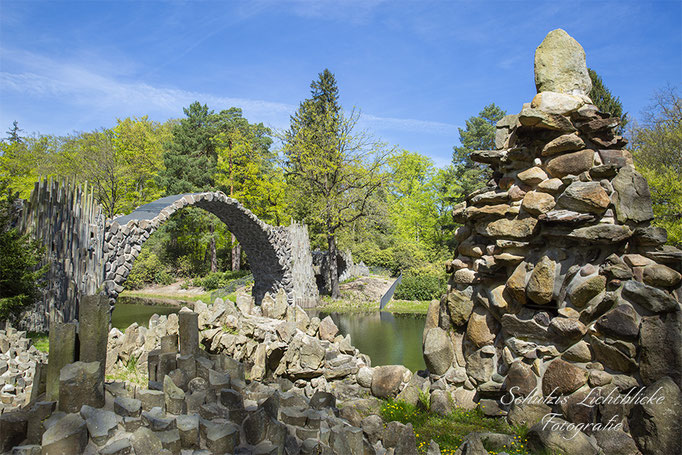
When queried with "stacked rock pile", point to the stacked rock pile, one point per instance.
{"points": [[19, 362], [275, 340], [561, 287]]}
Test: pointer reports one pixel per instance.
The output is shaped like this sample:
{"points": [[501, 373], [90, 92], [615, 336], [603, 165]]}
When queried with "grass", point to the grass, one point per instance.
{"points": [[230, 330], [355, 306], [450, 431], [204, 297], [129, 373], [41, 340]]}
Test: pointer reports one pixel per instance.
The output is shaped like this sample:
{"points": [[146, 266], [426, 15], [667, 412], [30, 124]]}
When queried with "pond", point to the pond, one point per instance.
{"points": [[126, 313], [388, 339]]}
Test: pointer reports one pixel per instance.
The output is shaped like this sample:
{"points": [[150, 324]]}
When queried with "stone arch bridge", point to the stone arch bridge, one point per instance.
{"points": [[87, 253], [269, 248]]}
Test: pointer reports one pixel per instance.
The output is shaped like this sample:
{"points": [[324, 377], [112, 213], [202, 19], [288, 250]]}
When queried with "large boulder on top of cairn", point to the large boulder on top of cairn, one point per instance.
{"points": [[560, 65]]}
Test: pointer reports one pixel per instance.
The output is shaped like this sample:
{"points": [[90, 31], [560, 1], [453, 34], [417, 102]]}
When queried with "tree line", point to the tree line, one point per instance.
{"points": [[390, 207]]}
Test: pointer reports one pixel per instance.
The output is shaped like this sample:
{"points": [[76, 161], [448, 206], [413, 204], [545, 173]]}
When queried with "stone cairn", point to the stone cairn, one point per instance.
{"points": [[561, 287]]}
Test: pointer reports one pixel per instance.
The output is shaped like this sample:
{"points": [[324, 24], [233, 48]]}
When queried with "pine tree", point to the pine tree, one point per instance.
{"points": [[190, 160], [478, 135], [605, 101]]}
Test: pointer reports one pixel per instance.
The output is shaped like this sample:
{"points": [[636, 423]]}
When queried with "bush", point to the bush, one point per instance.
{"points": [[420, 287], [217, 280], [148, 269]]}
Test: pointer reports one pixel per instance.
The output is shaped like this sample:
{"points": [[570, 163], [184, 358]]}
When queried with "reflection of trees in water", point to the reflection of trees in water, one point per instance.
{"points": [[387, 338]]}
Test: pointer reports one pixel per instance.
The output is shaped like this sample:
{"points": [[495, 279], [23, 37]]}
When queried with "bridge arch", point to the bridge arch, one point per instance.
{"points": [[269, 248]]}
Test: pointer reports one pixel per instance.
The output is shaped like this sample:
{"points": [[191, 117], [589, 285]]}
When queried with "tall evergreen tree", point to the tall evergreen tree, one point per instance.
{"points": [[605, 101], [190, 160]]}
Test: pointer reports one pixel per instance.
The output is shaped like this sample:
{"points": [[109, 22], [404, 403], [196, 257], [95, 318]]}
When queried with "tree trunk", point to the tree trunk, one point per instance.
{"points": [[212, 251], [236, 254], [333, 268]]}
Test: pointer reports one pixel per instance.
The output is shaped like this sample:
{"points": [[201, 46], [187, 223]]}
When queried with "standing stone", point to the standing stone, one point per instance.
{"points": [[660, 339], [438, 353], [540, 286], [482, 327], [560, 65], [169, 344], [189, 331], [173, 395], [62, 352], [13, 430], [80, 383], [93, 329], [460, 307]]}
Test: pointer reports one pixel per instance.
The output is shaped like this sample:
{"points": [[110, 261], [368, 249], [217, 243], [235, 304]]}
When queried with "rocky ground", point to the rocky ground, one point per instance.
{"points": [[18, 360]]}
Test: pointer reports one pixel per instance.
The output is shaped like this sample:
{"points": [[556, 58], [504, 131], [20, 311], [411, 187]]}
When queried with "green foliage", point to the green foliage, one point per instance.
{"points": [[605, 101], [657, 150], [478, 135], [424, 287], [451, 430], [218, 280], [19, 260], [332, 170], [190, 158], [148, 269], [40, 340]]}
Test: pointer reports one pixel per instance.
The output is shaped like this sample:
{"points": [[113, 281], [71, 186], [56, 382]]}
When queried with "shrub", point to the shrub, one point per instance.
{"points": [[217, 280], [148, 269], [420, 287]]}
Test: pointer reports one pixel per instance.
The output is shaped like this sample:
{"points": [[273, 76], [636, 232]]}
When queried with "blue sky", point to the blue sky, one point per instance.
{"points": [[416, 69]]}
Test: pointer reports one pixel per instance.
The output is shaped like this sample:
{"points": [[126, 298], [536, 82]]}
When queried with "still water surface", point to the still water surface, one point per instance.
{"points": [[388, 339]]}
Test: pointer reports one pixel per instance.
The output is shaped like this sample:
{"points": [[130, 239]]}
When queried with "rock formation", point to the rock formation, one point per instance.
{"points": [[561, 286], [20, 365], [224, 378]]}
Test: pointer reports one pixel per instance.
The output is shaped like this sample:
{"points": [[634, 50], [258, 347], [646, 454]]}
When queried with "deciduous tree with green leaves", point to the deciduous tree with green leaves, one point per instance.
{"points": [[656, 145], [332, 169], [19, 260]]}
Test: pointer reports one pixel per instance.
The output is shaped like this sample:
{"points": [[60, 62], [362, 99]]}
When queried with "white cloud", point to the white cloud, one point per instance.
{"points": [[98, 94]]}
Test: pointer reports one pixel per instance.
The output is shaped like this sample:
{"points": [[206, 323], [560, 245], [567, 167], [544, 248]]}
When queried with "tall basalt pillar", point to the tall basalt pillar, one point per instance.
{"points": [[189, 331], [93, 329], [62, 352]]}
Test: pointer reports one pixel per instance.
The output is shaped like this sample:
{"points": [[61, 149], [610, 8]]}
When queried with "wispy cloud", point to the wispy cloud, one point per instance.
{"points": [[77, 84]]}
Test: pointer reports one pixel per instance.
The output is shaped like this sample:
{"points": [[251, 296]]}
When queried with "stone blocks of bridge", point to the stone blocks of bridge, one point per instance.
{"points": [[269, 248]]}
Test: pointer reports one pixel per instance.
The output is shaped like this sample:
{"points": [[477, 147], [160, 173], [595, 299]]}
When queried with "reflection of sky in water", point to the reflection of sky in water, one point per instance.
{"points": [[388, 339]]}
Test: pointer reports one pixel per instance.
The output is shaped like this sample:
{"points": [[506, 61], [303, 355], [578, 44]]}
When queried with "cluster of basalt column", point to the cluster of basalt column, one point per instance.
{"points": [[561, 288]]}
